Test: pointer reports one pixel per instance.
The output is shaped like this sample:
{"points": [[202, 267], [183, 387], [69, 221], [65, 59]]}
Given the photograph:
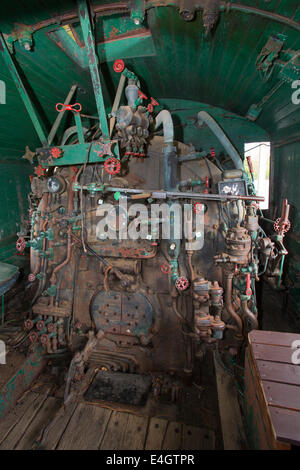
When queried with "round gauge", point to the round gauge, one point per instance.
{"points": [[56, 184]]}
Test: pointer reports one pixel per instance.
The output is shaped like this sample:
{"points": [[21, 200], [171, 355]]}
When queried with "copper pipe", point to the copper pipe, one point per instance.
{"points": [[189, 258], [250, 315], [229, 306], [67, 259]]}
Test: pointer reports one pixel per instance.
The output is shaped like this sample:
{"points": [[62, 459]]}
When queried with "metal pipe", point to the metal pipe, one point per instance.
{"points": [[250, 315], [89, 41], [170, 158], [67, 259], [164, 118], [184, 195], [229, 306], [204, 117]]}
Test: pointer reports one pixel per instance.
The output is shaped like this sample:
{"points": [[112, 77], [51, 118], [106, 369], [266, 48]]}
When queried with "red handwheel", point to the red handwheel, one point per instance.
{"points": [[181, 283], [166, 268], [112, 166], [119, 66], [21, 245]]}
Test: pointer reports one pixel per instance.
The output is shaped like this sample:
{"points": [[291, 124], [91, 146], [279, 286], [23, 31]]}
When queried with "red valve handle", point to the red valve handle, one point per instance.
{"points": [[44, 339], [28, 324], [68, 107], [51, 327], [181, 283], [33, 337], [40, 325], [250, 166], [150, 108], [39, 171], [118, 66], [21, 245], [166, 268], [248, 285], [31, 277], [112, 166], [56, 152], [142, 95], [154, 102], [281, 227]]}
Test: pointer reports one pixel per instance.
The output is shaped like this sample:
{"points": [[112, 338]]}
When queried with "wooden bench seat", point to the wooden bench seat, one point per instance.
{"points": [[272, 390]]}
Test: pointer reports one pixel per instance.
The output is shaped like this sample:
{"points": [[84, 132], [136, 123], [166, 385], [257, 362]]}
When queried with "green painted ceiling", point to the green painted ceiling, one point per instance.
{"points": [[218, 70]]}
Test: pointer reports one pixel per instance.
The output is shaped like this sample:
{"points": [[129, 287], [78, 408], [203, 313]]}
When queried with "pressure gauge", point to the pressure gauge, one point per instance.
{"points": [[56, 184]]}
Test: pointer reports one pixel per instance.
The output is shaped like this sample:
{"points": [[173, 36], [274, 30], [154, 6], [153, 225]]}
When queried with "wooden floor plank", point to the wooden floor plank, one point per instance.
{"points": [[173, 436], [156, 432], [194, 438], [85, 429], [285, 373], [115, 431], [41, 420], [135, 433], [19, 429], [16, 413], [57, 427]]}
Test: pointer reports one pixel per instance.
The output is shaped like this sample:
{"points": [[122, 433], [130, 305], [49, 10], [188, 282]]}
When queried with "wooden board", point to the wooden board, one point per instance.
{"points": [[173, 436], [282, 395], [125, 431], [115, 430], [156, 431], [273, 338], [286, 373], [40, 422], [272, 385], [265, 352], [135, 435], [286, 424], [42, 419], [194, 438], [231, 419], [86, 428], [16, 414], [17, 432], [57, 427]]}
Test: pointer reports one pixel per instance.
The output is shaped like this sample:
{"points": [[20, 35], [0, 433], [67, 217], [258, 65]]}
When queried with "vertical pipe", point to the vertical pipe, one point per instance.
{"points": [[93, 64]]}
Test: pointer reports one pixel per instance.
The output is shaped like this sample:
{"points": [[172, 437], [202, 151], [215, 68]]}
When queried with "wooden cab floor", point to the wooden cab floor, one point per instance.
{"points": [[39, 421]]}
